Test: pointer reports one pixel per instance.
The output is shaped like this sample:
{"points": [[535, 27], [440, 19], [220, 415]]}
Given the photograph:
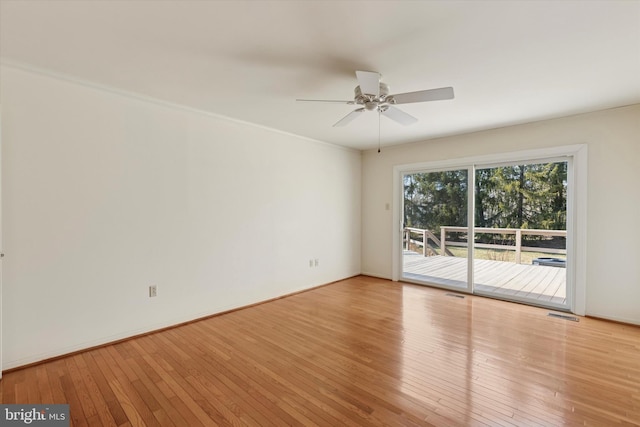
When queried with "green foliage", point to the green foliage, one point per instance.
{"points": [[436, 198], [520, 196]]}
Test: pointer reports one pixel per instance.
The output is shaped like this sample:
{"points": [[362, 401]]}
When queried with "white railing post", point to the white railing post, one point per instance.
{"points": [[424, 242], [443, 242], [518, 245], [405, 232]]}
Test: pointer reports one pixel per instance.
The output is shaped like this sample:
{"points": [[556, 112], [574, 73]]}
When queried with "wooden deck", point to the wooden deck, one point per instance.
{"points": [[533, 282]]}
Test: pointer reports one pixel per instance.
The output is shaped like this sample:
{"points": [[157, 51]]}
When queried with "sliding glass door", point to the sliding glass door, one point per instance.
{"points": [[520, 239], [517, 216], [435, 231]]}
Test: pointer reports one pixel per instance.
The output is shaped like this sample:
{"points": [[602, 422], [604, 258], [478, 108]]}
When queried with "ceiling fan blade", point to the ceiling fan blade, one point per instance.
{"points": [[349, 117], [326, 100], [423, 95], [399, 116], [369, 82]]}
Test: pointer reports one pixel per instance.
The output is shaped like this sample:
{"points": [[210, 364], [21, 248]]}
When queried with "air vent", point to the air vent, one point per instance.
{"points": [[564, 316], [455, 296]]}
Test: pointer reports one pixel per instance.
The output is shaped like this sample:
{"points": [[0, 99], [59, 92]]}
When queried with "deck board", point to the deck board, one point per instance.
{"points": [[536, 282]]}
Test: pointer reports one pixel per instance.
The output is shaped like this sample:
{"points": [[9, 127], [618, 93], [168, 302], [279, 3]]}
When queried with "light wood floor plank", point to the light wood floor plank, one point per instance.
{"points": [[360, 352]]}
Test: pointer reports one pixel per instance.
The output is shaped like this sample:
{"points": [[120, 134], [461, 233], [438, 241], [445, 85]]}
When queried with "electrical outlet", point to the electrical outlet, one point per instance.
{"points": [[153, 291], [316, 262]]}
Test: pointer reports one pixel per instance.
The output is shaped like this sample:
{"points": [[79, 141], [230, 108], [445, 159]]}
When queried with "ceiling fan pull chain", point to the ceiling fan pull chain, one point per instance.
{"points": [[378, 130]]}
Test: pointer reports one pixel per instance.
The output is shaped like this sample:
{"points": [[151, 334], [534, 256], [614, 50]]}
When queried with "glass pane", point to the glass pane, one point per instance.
{"points": [[435, 233], [520, 237]]}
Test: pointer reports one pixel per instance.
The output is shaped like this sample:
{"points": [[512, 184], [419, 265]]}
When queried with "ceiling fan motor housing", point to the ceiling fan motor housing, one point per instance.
{"points": [[371, 102]]}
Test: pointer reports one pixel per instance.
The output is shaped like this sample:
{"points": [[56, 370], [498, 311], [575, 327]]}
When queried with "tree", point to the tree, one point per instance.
{"points": [[520, 196], [433, 199]]}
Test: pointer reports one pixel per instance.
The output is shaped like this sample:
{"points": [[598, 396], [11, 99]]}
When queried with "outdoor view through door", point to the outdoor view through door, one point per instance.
{"points": [[435, 208], [519, 230]]}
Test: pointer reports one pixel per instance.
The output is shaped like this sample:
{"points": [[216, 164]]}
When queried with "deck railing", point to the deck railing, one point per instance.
{"points": [[442, 242]]}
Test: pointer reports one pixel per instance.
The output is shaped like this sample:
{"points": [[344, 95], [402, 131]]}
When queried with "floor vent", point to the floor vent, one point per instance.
{"points": [[455, 295], [564, 316]]}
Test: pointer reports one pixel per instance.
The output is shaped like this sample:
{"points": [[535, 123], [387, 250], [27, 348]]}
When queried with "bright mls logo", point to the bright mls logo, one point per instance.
{"points": [[36, 415]]}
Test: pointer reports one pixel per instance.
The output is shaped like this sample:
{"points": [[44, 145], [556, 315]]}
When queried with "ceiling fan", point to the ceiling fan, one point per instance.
{"points": [[373, 95]]}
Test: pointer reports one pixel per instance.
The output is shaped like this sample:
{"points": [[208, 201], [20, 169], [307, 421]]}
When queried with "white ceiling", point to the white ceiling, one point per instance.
{"points": [[509, 62]]}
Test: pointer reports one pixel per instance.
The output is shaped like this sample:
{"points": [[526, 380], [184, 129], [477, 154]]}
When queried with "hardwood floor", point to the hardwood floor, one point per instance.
{"points": [[361, 352]]}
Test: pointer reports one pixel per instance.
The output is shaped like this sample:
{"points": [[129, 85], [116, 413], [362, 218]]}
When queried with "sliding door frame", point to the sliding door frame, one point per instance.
{"points": [[576, 209], [569, 228], [470, 211]]}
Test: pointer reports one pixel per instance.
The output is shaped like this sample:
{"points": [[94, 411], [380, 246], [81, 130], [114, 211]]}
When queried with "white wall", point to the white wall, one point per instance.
{"points": [[613, 202], [105, 194]]}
